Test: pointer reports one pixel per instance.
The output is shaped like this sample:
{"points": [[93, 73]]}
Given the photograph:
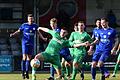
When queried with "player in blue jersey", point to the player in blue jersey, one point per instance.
{"points": [[106, 37], [28, 31], [95, 33]]}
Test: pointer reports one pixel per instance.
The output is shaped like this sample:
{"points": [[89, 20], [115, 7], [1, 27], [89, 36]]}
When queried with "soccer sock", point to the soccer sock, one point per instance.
{"points": [[74, 73], [116, 68], [93, 72], [82, 73], [23, 67], [33, 73], [27, 65], [52, 70], [68, 70], [102, 69]]}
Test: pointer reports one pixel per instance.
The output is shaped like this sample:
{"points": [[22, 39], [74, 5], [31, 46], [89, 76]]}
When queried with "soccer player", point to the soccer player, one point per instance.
{"points": [[95, 33], [51, 54], [54, 26], [28, 31], [118, 61], [78, 54], [106, 37]]}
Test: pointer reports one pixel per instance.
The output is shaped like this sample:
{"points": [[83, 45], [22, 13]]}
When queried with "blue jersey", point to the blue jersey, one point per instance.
{"points": [[106, 38], [28, 33], [95, 34]]}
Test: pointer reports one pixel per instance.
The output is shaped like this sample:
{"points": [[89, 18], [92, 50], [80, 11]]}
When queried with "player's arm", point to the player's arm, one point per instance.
{"points": [[113, 51], [82, 44], [41, 36], [118, 49], [15, 33], [43, 29], [72, 44]]}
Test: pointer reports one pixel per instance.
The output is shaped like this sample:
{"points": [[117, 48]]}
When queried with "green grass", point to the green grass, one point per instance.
{"points": [[44, 76]]}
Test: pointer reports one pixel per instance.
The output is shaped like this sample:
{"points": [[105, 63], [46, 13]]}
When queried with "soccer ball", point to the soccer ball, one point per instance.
{"points": [[35, 63]]}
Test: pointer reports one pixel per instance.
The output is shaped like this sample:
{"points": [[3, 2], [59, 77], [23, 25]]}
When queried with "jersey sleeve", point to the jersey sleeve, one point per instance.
{"points": [[71, 38], [88, 38], [21, 27], [51, 32]]}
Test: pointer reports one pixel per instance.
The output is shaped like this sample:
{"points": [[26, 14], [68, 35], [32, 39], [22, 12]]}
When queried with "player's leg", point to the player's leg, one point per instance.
{"points": [[95, 59], [76, 64], [63, 67], [101, 61], [93, 70], [40, 57], [52, 70], [57, 65], [28, 65], [116, 66], [68, 69], [23, 65], [67, 59], [29, 51]]}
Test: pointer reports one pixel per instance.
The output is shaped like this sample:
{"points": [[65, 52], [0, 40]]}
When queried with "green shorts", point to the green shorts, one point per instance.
{"points": [[78, 58], [53, 59]]}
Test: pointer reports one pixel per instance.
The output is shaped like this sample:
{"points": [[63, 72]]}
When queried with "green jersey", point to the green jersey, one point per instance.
{"points": [[56, 43], [78, 37]]}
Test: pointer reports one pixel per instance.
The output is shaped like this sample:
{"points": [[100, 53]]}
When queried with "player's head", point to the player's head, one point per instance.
{"points": [[81, 25], [104, 22], [63, 32], [30, 18], [98, 22], [76, 27], [53, 23]]}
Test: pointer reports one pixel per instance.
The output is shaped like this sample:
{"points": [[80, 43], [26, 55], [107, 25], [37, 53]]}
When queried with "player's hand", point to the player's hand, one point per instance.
{"points": [[45, 39], [87, 43], [90, 52], [113, 52], [11, 35]]}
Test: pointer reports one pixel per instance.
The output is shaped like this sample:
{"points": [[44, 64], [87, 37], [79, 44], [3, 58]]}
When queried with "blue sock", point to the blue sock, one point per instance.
{"points": [[52, 70], [103, 69], [23, 67], [27, 65], [93, 72]]}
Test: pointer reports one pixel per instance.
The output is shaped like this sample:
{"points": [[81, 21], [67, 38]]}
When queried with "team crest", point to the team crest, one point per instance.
{"points": [[109, 33]]}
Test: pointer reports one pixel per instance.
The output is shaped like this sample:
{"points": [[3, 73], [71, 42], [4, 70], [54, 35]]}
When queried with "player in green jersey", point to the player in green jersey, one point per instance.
{"points": [[51, 54], [117, 63], [79, 53]]}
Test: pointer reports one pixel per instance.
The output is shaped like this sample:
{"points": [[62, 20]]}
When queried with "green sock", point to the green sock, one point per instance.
{"points": [[33, 73], [68, 70], [74, 73], [116, 68]]}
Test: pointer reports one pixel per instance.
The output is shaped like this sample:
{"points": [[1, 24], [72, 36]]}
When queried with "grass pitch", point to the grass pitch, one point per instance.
{"points": [[42, 76]]}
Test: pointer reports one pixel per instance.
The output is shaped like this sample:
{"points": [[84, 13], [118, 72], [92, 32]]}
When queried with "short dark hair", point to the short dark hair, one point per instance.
{"points": [[98, 19], [104, 18], [30, 15]]}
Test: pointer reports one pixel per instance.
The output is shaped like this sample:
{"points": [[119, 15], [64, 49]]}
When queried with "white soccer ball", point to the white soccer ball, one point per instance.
{"points": [[35, 63]]}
